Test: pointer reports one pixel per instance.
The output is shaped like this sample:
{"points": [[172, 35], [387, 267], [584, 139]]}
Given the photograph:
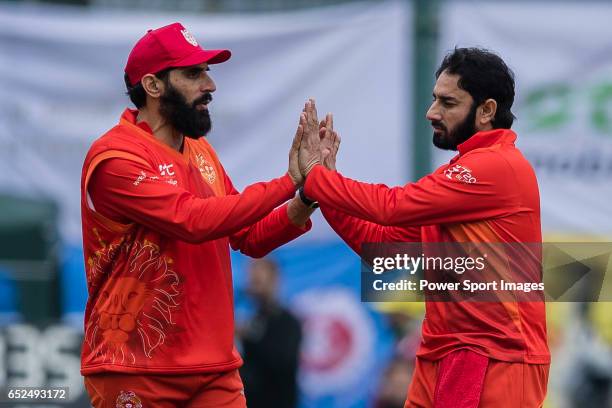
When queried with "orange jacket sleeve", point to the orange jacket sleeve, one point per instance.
{"points": [[267, 234], [355, 231], [487, 190], [176, 212]]}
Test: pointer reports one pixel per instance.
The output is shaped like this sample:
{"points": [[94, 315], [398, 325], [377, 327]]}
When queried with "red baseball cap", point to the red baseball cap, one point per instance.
{"points": [[166, 47]]}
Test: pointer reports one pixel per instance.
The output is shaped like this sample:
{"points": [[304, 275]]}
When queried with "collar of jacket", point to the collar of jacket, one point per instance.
{"points": [[487, 139]]}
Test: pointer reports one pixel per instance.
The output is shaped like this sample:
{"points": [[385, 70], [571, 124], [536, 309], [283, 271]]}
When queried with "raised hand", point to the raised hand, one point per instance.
{"points": [[294, 169], [310, 153], [330, 142]]}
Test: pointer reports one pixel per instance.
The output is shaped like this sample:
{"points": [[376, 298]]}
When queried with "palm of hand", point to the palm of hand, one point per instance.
{"points": [[310, 151]]}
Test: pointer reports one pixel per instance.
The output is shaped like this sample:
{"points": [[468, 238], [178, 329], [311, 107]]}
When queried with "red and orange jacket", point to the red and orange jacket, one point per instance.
{"points": [[157, 227], [487, 193]]}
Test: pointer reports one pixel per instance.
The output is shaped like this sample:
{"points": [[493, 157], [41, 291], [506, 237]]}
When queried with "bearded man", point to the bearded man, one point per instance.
{"points": [[472, 354], [159, 214]]}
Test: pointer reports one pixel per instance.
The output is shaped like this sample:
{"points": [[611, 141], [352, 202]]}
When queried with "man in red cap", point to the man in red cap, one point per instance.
{"points": [[159, 214]]}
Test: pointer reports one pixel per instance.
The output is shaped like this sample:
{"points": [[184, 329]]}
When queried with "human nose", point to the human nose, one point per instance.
{"points": [[208, 85], [433, 113]]}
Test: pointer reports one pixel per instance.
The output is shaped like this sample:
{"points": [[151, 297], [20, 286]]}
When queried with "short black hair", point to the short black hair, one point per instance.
{"points": [[483, 74], [137, 94]]}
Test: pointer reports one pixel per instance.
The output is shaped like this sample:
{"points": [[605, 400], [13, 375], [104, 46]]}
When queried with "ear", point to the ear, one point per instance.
{"points": [[152, 85], [486, 113]]}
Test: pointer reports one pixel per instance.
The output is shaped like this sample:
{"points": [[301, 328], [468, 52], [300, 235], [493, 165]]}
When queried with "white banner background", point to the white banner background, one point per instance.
{"points": [[61, 81], [61, 87], [561, 54]]}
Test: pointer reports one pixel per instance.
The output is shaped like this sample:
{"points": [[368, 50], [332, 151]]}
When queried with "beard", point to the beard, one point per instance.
{"points": [[450, 140], [183, 116]]}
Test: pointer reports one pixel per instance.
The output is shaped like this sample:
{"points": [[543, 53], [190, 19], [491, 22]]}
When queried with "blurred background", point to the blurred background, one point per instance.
{"points": [[372, 64]]}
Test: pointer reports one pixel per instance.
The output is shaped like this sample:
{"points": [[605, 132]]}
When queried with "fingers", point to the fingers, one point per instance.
{"points": [[311, 138], [325, 128], [322, 131], [335, 144], [319, 141], [313, 108], [297, 139], [317, 134], [329, 121], [332, 138], [310, 109], [295, 145], [311, 113], [337, 141], [305, 126], [328, 153], [294, 159]]}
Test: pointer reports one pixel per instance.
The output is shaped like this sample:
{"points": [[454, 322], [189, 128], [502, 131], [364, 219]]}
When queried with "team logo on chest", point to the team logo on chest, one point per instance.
{"points": [[206, 169]]}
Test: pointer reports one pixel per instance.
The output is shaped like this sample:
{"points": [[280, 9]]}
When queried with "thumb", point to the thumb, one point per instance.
{"points": [[297, 139]]}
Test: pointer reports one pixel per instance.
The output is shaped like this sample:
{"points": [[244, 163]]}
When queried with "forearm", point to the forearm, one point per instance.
{"points": [[355, 231], [298, 212], [273, 231]]}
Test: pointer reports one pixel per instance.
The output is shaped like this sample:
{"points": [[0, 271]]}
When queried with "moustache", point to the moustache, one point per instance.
{"points": [[438, 124], [205, 99]]}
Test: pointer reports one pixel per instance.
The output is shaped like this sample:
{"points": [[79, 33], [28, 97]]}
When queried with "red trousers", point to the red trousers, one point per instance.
{"points": [[112, 390], [464, 379]]}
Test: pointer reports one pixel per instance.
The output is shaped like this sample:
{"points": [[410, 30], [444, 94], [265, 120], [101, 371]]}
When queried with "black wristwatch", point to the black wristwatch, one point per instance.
{"points": [[307, 201]]}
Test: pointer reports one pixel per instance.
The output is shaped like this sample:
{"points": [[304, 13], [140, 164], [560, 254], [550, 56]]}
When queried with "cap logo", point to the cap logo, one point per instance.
{"points": [[189, 38]]}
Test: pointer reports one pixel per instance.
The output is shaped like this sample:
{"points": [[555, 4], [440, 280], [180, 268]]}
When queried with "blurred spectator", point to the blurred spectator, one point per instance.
{"points": [[580, 338], [394, 385], [404, 319], [585, 359], [271, 343]]}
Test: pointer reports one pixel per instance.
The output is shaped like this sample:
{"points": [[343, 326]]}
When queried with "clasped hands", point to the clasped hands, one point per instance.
{"points": [[314, 143]]}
